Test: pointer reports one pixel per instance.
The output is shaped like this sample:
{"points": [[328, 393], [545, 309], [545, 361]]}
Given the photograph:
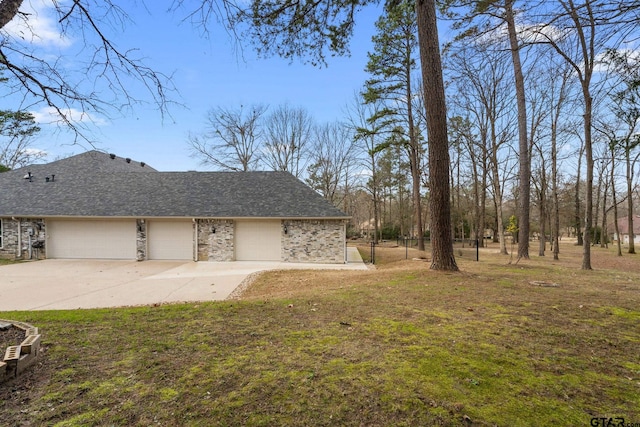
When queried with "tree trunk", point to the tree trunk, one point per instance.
{"points": [[615, 202], [414, 158], [497, 224], [554, 189], [441, 240], [497, 196], [604, 233], [632, 246], [543, 215], [578, 209], [523, 142], [483, 198], [588, 224], [596, 208], [376, 197], [414, 161], [8, 10]]}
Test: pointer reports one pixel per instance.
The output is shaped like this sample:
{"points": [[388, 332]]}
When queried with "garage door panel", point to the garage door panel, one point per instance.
{"points": [[258, 240], [170, 240], [91, 239]]}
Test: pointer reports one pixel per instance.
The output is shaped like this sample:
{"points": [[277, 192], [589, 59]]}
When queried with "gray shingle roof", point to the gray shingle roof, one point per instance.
{"points": [[89, 188], [89, 162]]}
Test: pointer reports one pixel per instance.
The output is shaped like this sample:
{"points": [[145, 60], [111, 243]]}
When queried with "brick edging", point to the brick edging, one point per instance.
{"points": [[17, 358]]}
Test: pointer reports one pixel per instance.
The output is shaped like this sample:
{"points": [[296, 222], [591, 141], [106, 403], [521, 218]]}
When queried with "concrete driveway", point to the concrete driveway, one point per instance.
{"points": [[69, 284]]}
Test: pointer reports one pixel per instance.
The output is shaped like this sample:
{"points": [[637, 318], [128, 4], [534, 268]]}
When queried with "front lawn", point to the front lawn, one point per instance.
{"points": [[533, 343]]}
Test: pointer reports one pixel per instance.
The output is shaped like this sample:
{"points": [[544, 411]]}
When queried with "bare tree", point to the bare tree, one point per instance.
{"points": [[232, 140], [480, 76], [579, 32], [626, 108], [287, 135], [44, 79], [332, 161], [487, 19], [557, 102], [523, 141]]}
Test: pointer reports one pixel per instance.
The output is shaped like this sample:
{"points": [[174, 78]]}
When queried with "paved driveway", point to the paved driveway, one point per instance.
{"points": [[70, 284]]}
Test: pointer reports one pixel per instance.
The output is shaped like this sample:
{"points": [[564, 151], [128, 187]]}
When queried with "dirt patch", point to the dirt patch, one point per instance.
{"points": [[10, 336]]}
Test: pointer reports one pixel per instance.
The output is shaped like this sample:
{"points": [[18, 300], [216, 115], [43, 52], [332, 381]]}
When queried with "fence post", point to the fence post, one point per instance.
{"points": [[406, 248], [373, 252]]}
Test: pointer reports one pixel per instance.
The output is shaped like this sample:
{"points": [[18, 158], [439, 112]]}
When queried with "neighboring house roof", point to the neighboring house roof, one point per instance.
{"points": [[623, 225], [79, 190]]}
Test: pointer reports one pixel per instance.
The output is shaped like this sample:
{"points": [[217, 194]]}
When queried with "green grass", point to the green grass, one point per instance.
{"points": [[397, 346]]}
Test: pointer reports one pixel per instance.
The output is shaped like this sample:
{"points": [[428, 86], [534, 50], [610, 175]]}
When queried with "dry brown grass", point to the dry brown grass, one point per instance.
{"points": [[398, 345]]}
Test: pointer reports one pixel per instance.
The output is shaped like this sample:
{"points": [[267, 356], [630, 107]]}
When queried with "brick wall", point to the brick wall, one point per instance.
{"points": [[314, 241], [306, 240], [10, 240], [215, 240], [141, 240]]}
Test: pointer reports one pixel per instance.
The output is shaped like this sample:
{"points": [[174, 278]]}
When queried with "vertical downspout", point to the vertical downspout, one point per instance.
{"points": [[195, 239], [344, 236], [19, 252]]}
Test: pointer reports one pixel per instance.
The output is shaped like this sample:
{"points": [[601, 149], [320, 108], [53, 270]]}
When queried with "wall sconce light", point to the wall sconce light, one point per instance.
{"points": [[286, 230], [213, 229]]}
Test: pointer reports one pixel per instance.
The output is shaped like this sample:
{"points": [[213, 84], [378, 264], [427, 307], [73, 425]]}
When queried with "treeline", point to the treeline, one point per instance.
{"points": [[543, 116]]}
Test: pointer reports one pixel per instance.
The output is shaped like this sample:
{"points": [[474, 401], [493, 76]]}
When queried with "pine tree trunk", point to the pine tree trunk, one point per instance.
{"points": [[8, 10], [441, 239]]}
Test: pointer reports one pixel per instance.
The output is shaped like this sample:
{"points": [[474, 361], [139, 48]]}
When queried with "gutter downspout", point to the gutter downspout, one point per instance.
{"points": [[19, 253], [344, 236], [195, 239]]}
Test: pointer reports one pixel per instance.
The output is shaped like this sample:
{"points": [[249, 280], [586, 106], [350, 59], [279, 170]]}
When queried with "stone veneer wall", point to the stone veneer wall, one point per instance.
{"points": [[215, 240], [141, 240], [314, 241], [10, 239]]}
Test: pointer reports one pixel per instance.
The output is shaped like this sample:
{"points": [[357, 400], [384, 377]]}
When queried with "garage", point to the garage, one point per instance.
{"points": [[258, 240], [113, 239], [170, 240]]}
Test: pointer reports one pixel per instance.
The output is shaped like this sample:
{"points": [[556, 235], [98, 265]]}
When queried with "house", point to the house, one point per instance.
{"points": [[623, 228], [98, 205]]}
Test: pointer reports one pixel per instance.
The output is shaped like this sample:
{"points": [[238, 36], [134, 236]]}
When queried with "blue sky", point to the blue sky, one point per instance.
{"points": [[207, 73]]}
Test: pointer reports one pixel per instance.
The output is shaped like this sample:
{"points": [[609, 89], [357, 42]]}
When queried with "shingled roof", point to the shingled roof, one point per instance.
{"points": [[84, 187], [89, 162]]}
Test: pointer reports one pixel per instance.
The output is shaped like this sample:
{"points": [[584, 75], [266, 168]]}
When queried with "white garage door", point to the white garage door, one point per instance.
{"points": [[170, 239], [107, 239], [258, 240]]}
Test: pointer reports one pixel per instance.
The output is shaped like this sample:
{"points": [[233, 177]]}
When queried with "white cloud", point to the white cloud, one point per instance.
{"points": [[37, 24], [49, 115]]}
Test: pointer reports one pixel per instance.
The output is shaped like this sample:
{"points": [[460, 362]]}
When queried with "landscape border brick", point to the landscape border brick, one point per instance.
{"points": [[17, 358]]}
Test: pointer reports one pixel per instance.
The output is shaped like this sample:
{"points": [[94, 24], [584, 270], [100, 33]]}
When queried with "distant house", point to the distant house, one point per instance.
{"points": [[623, 227], [96, 205]]}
